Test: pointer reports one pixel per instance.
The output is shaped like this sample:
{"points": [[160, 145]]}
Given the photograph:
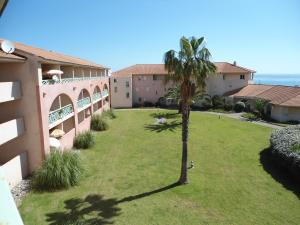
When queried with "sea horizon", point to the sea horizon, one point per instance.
{"points": [[277, 79]]}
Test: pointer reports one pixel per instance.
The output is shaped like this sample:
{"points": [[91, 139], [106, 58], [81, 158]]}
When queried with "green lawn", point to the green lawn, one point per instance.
{"points": [[130, 172]]}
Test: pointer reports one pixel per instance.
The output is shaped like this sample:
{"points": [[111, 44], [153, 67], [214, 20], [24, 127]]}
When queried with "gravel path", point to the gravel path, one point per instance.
{"points": [[20, 190]]}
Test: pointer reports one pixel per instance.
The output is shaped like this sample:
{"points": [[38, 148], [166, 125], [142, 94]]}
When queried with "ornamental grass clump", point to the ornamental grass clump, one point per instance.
{"points": [[84, 140], [285, 151], [99, 123], [110, 114], [59, 170]]}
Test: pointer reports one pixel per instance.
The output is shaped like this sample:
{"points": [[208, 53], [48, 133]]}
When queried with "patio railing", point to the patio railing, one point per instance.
{"points": [[60, 113], [83, 102], [69, 80], [96, 96], [105, 93]]}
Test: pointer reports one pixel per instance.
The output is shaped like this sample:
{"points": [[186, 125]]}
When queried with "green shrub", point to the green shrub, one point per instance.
{"points": [[250, 116], [239, 107], [59, 170], [84, 140], [228, 107], [285, 145], [110, 114], [98, 123], [207, 102], [218, 101]]}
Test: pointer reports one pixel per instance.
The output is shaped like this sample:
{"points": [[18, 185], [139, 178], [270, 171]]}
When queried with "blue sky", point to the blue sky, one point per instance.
{"points": [[263, 35]]}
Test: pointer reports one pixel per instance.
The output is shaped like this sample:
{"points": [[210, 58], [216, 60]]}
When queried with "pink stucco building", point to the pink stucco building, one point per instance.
{"points": [[142, 83], [34, 102]]}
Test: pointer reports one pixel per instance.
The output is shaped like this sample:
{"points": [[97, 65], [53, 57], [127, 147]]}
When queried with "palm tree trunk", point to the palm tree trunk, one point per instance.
{"points": [[185, 124]]}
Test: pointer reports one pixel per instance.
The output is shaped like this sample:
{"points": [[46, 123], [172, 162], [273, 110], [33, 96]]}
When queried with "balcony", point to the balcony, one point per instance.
{"points": [[96, 97], [105, 93], [59, 115], [83, 103], [11, 129], [10, 91], [70, 80]]}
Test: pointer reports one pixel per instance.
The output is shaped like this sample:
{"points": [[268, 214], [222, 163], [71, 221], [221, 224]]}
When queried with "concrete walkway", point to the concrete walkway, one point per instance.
{"points": [[238, 116]]}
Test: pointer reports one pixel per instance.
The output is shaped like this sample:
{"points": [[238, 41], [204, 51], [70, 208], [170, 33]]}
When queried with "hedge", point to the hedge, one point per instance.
{"points": [[284, 148]]}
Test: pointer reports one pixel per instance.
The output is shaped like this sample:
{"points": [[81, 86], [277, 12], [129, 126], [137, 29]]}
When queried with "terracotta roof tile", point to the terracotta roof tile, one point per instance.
{"points": [[54, 56], [276, 94], [150, 69]]}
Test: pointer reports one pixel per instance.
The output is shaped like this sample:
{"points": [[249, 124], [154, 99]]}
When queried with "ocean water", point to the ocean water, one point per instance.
{"points": [[278, 79]]}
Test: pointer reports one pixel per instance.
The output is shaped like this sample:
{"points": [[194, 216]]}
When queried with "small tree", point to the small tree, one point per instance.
{"points": [[260, 105]]}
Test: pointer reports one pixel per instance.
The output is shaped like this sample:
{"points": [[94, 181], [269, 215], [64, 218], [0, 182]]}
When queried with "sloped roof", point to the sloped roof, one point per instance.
{"points": [[150, 69], [276, 94], [47, 55], [4, 57]]}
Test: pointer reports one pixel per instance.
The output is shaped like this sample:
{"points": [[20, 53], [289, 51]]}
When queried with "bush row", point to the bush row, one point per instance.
{"points": [[285, 149]]}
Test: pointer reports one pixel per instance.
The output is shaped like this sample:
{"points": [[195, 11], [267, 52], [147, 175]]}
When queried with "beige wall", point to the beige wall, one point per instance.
{"points": [[284, 114], [27, 108], [119, 92], [144, 88], [216, 85]]}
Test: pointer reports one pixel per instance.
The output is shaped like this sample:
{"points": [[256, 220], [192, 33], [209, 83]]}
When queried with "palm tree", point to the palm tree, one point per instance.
{"points": [[188, 68], [174, 93]]}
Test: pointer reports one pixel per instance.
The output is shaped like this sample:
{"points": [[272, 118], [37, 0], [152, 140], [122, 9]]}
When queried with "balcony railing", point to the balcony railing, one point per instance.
{"points": [[69, 80], [60, 113], [96, 96], [105, 93], [83, 102]]}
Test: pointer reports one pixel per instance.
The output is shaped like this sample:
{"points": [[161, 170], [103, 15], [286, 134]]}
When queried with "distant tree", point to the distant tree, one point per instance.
{"points": [[188, 68]]}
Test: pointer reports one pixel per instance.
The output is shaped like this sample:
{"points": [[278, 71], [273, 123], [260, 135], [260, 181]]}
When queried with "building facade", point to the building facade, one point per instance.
{"points": [[33, 104], [147, 83]]}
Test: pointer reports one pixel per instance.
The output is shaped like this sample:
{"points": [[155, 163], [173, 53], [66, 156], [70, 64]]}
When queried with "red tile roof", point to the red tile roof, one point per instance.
{"points": [[276, 94], [46, 55], [150, 69]]}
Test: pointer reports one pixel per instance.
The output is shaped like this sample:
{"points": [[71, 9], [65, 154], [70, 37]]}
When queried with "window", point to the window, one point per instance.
{"points": [[127, 95], [242, 77], [223, 77], [139, 78], [116, 89], [156, 92], [140, 99], [127, 83], [115, 80], [155, 77]]}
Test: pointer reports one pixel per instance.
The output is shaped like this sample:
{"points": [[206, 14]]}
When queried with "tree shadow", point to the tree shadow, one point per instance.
{"points": [[279, 174], [167, 115], [171, 126], [94, 209], [145, 194], [91, 210]]}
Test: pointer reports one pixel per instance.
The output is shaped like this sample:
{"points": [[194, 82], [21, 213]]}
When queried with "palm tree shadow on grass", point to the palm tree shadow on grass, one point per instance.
{"points": [[94, 209], [167, 115], [279, 174], [171, 126]]}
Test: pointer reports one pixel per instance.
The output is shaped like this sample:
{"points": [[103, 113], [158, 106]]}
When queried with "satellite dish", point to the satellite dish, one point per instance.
{"points": [[55, 78], [7, 47]]}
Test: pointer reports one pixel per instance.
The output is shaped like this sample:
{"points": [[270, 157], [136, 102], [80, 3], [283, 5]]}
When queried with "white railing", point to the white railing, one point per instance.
{"points": [[96, 96], [60, 113], [105, 93], [83, 102], [69, 80]]}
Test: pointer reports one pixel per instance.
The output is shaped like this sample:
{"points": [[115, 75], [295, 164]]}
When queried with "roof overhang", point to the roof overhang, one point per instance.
{"points": [[3, 4], [8, 58]]}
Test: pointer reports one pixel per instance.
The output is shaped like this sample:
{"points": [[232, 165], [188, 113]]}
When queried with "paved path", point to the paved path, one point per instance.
{"points": [[238, 116]]}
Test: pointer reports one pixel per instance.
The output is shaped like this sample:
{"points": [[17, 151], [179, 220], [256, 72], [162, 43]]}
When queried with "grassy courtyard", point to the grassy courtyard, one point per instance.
{"points": [[130, 174]]}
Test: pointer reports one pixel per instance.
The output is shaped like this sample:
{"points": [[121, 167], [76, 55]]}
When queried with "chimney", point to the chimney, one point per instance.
{"points": [[234, 63]]}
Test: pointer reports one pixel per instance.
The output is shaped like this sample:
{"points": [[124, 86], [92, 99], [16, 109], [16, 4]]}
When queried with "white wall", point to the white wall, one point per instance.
{"points": [[10, 91], [216, 85], [284, 114], [119, 92], [16, 169]]}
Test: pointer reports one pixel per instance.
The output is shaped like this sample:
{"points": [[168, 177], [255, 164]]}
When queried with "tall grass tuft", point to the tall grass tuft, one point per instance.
{"points": [[84, 140], [99, 123], [110, 114], [59, 170]]}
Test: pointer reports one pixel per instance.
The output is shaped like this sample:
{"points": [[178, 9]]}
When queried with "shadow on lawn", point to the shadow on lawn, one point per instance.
{"points": [[171, 126], [94, 209], [167, 115], [279, 174]]}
